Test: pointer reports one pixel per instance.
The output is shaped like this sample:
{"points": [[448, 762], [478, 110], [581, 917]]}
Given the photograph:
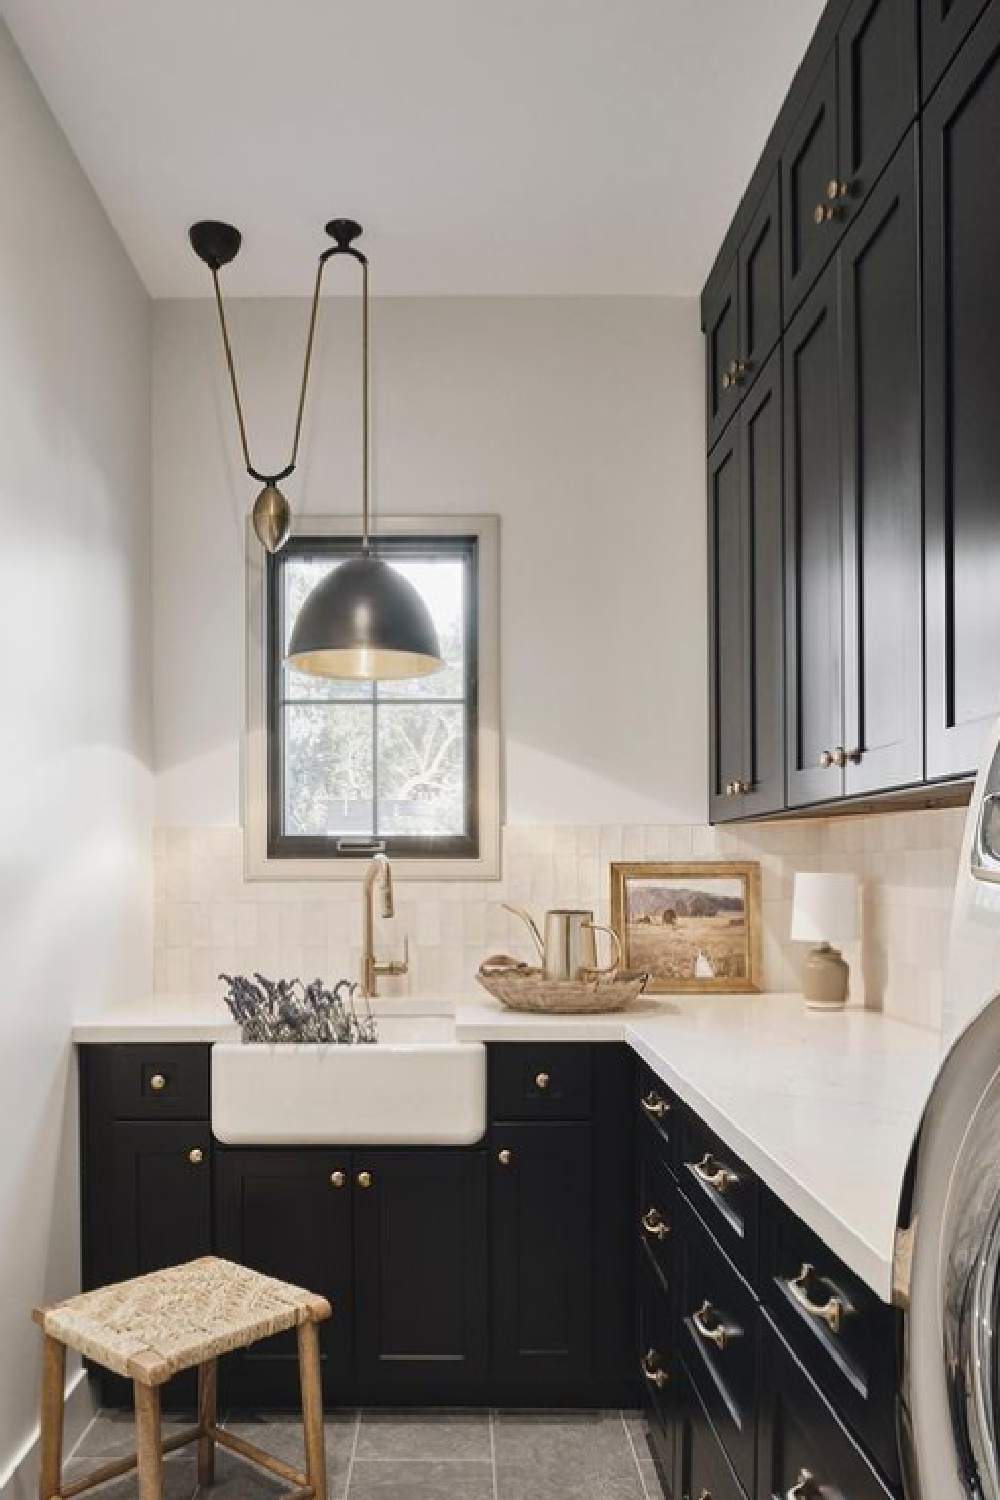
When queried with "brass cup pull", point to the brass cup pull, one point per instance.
{"points": [[505, 1157], [364, 1179], [830, 1312], [338, 1179], [649, 1364], [710, 1326], [158, 1083], [542, 1081], [196, 1156], [713, 1175], [654, 1105], [804, 1488], [654, 1224]]}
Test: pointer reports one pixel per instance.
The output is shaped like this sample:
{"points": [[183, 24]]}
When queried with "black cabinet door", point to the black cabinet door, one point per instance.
{"points": [[761, 468], [813, 565], [809, 164], [944, 25], [961, 129], [159, 1212], [759, 269], [420, 1272], [728, 644], [288, 1213], [880, 394], [704, 1471], [722, 353], [877, 71], [542, 1228]]}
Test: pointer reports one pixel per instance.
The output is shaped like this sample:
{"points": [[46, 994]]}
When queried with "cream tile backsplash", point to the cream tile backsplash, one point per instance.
{"points": [[210, 920]]}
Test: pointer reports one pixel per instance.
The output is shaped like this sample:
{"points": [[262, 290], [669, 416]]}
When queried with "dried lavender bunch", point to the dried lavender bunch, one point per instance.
{"points": [[288, 1011]]}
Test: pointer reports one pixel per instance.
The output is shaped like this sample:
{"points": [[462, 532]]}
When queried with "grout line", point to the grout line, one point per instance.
{"points": [[493, 1452], [635, 1457], [354, 1450]]}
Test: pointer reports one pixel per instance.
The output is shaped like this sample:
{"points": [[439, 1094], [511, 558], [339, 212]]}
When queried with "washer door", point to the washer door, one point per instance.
{"points": [[949, 1407]]}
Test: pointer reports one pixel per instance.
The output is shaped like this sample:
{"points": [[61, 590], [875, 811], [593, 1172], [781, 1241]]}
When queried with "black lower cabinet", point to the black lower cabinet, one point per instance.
{"points": [[542, 1211], [420, 1283], [704, 1471], [289, 1213]]}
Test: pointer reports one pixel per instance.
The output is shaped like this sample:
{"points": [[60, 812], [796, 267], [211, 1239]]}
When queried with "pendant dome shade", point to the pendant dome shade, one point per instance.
{"points": [[365, 621]]}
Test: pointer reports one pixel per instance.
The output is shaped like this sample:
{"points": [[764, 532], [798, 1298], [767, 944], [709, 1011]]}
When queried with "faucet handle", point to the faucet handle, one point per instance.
{"points": [[396, 966]]}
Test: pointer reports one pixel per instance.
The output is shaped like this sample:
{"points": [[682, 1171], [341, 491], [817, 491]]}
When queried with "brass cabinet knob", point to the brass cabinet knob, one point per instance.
{"points": [[825, 213], [158, 1082], [835, 189], [196, 1156], [364, 1179], [839, 757], [652, 1372], [826, 760], [542, 1081], [505, 1157], [740, 788], [727, 380], [338, 1179]]}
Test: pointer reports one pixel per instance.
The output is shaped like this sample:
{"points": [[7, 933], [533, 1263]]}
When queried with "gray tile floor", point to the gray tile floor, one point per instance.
{"points": [[415, 1455]]}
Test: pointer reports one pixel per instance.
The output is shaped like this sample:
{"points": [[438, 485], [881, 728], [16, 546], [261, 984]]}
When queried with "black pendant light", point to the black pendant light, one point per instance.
{"points": [[364, 621]]}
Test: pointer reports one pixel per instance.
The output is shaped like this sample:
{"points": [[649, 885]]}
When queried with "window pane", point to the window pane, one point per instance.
{"points": [[329, 763], [300, 575], [421, 769], [441, 585]]}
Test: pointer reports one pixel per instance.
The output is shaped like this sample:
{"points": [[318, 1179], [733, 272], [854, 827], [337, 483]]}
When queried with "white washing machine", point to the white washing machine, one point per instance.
{"points": [[950, 1390]]}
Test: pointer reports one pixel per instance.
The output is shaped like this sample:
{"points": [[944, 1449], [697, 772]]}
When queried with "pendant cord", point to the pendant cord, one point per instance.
{"points": [[234, 383], [365, 419]]}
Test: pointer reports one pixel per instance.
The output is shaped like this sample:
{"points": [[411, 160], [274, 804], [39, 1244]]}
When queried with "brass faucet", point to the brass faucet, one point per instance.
{"points": [[379, 872]]}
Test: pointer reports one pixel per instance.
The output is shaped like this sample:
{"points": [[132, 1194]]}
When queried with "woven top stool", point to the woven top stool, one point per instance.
{"points": [[154, 1326]]}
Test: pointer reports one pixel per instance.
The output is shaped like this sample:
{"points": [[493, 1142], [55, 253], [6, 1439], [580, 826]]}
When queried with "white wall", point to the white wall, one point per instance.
{"points": [[75, 787], [579, 421]]}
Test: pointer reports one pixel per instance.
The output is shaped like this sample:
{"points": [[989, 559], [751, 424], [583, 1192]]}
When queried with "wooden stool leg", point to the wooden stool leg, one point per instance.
{"points": [[207, 1387], [148, 1441], [312, 1408], [53, 1397]]}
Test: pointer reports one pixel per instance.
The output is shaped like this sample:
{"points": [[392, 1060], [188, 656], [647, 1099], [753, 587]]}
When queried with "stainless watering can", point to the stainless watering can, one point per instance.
{"points": [[569, 948]]}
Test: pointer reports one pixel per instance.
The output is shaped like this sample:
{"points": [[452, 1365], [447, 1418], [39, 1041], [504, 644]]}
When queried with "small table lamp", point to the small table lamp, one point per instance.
{"points": [[825, 909]]}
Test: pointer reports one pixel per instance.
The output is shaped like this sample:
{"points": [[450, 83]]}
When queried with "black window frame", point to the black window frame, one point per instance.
{"points": [[410, 547]]}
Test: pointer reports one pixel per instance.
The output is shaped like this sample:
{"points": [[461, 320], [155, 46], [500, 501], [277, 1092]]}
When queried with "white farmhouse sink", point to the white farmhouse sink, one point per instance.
{"points": [[416, 1086]]}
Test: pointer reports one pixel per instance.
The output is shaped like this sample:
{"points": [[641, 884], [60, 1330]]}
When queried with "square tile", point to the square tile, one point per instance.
{"points": [[414, 1479], [430, 1435]]}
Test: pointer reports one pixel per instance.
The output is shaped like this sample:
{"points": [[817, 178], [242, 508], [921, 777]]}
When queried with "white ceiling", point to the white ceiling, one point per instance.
{"points": [[489, 146]]}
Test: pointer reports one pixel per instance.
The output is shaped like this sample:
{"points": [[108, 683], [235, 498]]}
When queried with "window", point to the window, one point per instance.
{"points": [[407, 767]]}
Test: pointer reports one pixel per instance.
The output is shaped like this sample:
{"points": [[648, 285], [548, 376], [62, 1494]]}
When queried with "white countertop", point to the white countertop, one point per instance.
{"points": [[824, 1108]]}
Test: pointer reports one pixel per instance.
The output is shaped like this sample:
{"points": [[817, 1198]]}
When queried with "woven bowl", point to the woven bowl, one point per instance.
{"points": [[522, 988]]}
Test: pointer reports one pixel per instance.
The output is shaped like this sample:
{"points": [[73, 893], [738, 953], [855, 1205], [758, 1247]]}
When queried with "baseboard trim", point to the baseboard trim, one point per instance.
{"points": [[19, 1480]]}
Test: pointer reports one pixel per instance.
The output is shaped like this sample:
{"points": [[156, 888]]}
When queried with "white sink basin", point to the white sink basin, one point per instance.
{"points": [[416, 1086]]}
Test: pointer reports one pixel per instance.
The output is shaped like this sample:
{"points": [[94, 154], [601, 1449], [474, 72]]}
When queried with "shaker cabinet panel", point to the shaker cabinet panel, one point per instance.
{"points": [[161, 1195], [722, 338], [882, 495], [759, 265], [877, 73], [962, 434], [813, 563], [729, 703], [761, 465], [808, 166], [944, 25]]}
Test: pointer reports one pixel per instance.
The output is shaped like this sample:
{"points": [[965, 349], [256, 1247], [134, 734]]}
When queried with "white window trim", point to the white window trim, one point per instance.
{"points": [[258, 864]]}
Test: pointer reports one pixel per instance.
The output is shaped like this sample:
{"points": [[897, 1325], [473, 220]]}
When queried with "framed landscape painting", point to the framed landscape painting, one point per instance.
{"points": [[691, 926]]}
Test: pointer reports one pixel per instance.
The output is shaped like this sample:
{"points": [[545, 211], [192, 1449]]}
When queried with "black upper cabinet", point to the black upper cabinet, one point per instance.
{"points": [[542, 1211], [288, 1213], [814, 572], [420, 1270], [961, 129], [759, 277], [944, 25], [746, 618], [881, 479], [722, 337], [809, 165]]}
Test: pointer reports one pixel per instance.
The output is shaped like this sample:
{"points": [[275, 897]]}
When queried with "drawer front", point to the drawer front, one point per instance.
{"points": [[659, 1115], [804, 1450], [723, 1190], [705, 1471], [656, 1213], [719, 1335], [657, 1362], [540, 1082], [841, 1331], [169, 1082]]}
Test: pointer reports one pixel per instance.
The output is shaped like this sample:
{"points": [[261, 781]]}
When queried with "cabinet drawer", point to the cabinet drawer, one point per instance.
{"points": [[841, 1331], [723, 1190], [661, 1116], [705, 1471], [719, 1319], [540, 1082], [657, 1362], [656, 1213], [801, 1440], [169, 1082]]}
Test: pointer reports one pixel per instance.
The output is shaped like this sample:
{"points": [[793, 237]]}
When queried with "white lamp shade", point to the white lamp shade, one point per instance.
{"points": [[825, 908]]}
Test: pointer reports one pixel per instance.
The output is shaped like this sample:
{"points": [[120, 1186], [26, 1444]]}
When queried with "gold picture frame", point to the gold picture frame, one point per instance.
{"points": [[694, 925]]}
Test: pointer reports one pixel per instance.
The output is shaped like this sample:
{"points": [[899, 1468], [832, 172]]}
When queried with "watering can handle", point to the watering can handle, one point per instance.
{"points": [[616, 948], [529, 922]]}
